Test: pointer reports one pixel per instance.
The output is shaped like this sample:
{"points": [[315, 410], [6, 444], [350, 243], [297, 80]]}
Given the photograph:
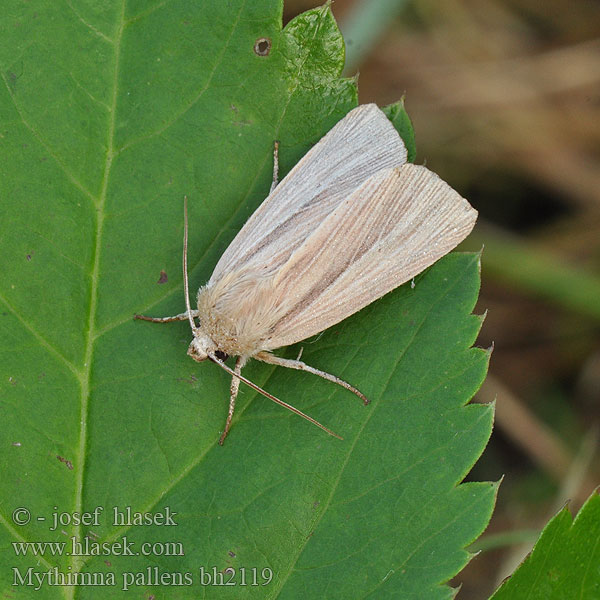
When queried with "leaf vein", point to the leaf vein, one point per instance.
{"points": [[89, 25], [70, 176], [93, 304], [41, 339], [199, 95]]}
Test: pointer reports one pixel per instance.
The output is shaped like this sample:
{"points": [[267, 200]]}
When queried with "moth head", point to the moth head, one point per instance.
{"points": [[200, 346]]}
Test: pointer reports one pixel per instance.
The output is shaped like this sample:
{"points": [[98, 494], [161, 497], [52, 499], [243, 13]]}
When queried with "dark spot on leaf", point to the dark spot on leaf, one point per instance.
{"points": [[28, 257], [108, 563], [262, 46], [191, 379], [68, 463], [12, 380], [316, 504], [163, 277], [231, 553]]}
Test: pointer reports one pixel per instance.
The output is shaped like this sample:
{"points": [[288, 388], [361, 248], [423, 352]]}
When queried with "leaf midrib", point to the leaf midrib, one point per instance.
{"points": [[93, 335], [85, 380]]}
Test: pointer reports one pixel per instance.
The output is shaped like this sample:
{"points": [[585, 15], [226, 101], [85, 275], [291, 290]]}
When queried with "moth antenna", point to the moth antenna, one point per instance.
{"points": [[214, 359], [185, 271]]}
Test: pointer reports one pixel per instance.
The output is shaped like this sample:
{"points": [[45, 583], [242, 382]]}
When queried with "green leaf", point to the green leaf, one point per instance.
{"points": [[111, 113], [397, 114], [564, 562]]}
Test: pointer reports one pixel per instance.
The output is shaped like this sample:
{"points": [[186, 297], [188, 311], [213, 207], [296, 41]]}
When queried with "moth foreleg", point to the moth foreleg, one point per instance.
{"points": [[301, 366], [179, 317], [235, 386], [275, 166]]}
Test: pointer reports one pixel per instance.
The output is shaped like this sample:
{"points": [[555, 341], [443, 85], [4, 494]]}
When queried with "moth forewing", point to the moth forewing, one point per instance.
{"points": [[357, 147], [349, 223], [397, 223]]}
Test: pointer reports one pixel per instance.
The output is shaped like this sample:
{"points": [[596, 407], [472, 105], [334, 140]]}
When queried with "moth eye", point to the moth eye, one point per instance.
{"points": [[221, 355]]}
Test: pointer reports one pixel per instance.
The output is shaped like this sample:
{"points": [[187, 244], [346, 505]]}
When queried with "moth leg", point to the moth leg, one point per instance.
{"points": [[298, 364], [179, 317], [235, 386], [275, 166]]}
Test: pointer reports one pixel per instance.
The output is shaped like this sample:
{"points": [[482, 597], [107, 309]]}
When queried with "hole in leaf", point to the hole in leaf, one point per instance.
{"points": [[262, 46]]}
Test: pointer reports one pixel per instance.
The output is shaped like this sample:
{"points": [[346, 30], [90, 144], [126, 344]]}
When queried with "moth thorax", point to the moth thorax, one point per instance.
{"points": [[237, 313]]}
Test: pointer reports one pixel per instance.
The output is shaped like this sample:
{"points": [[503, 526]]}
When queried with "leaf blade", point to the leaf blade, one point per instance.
{"points": [[110, 412], [563, 563]]}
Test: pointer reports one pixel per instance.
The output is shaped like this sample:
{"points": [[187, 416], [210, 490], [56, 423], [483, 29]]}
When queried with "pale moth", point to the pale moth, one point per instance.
{"points": [[349, 223]]}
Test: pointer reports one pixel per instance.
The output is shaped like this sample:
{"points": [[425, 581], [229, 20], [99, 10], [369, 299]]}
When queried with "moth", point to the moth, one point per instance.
{"points": [[349, 223]]}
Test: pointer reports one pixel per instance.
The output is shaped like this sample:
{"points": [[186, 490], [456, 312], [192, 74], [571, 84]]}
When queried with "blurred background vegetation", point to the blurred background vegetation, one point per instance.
{"points": [[505, 101]]}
